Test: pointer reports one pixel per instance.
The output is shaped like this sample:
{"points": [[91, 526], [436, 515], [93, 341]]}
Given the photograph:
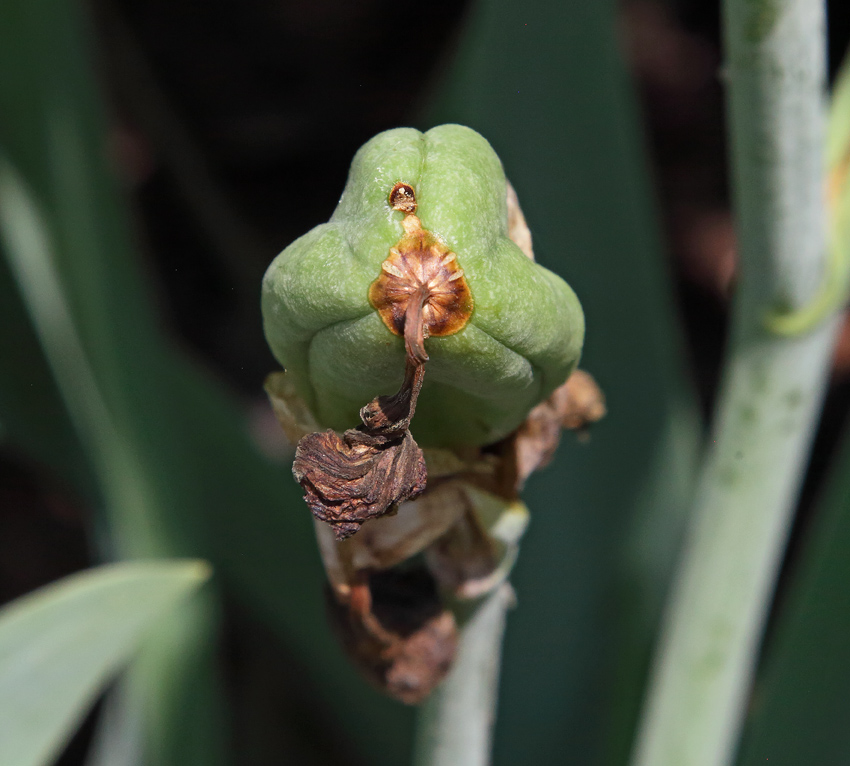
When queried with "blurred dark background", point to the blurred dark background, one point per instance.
{"points": [[232, 128]]}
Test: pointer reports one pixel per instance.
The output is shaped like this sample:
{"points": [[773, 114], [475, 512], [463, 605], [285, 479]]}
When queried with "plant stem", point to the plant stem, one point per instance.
{"points": [[771, 391], [456, 723]]}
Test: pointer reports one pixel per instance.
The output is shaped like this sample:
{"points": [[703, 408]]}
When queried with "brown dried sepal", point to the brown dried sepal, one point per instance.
{"points": [[291, 411], [355, 477], [422, 265], [369, 470], [574, 405], [518, 230], [580, 401], [397, 632]]}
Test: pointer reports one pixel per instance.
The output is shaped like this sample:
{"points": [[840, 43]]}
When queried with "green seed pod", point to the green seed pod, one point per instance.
{"points": [[503, 332]]}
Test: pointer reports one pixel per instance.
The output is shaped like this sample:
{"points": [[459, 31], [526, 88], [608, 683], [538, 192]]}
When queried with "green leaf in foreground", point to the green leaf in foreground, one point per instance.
{"points": [[61, 644]]}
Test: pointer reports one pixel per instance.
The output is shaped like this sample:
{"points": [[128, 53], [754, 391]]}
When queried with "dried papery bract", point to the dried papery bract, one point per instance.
{"points": [[397, 631], [471, 523], [518, 229], [575, 405]]}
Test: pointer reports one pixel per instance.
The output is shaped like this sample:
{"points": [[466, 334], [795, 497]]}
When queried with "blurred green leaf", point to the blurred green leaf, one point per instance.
{"points": [[174, 674], [218, 499], [169, 677], [838, 132], [800, 706], [60, 645], [544, 82], [32, 414]]}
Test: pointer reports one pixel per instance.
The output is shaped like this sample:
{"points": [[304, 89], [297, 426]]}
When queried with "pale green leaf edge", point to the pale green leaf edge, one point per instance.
{"points": [[60, 645]]}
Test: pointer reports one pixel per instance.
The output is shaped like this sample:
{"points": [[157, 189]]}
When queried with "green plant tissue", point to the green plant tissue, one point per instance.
{"points": [[525, 334]]}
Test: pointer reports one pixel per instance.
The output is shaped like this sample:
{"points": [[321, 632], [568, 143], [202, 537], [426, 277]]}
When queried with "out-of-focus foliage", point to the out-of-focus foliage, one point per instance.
{"points": [[61, 644]]}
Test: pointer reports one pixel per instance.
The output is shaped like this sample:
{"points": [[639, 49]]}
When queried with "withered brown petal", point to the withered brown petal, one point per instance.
{"points": [[574, 405], [580, 401], [397, 632], [463, 556], [369, 470], [355, 477]]}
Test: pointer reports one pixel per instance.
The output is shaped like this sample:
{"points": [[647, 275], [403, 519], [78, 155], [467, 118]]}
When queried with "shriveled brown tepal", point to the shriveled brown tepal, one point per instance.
{"points": [[367, 471], [397, 631]]}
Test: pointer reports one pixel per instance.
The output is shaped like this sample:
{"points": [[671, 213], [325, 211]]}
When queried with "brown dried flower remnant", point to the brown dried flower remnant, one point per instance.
{"points": [[575, 405], [397, 630], [399, 585], [369, 470]]}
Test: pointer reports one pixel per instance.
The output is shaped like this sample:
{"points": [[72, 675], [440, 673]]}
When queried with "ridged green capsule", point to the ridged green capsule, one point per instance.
{"points": [[522, 339]]}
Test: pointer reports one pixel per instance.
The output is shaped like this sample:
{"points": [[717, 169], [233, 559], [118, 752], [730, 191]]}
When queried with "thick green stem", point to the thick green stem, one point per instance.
{"points": [[455, 725], [770, 395]]}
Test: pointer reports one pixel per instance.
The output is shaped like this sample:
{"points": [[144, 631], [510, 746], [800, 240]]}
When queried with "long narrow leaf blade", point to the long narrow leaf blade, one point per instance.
{"points": [[60, 645]]}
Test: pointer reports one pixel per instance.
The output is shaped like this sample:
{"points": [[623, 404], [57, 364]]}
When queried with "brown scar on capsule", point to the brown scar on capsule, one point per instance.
{"points": [[422, 291]]}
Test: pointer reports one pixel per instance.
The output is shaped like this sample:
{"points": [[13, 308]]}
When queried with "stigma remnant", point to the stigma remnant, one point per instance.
{"points": [[422, 291]]}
